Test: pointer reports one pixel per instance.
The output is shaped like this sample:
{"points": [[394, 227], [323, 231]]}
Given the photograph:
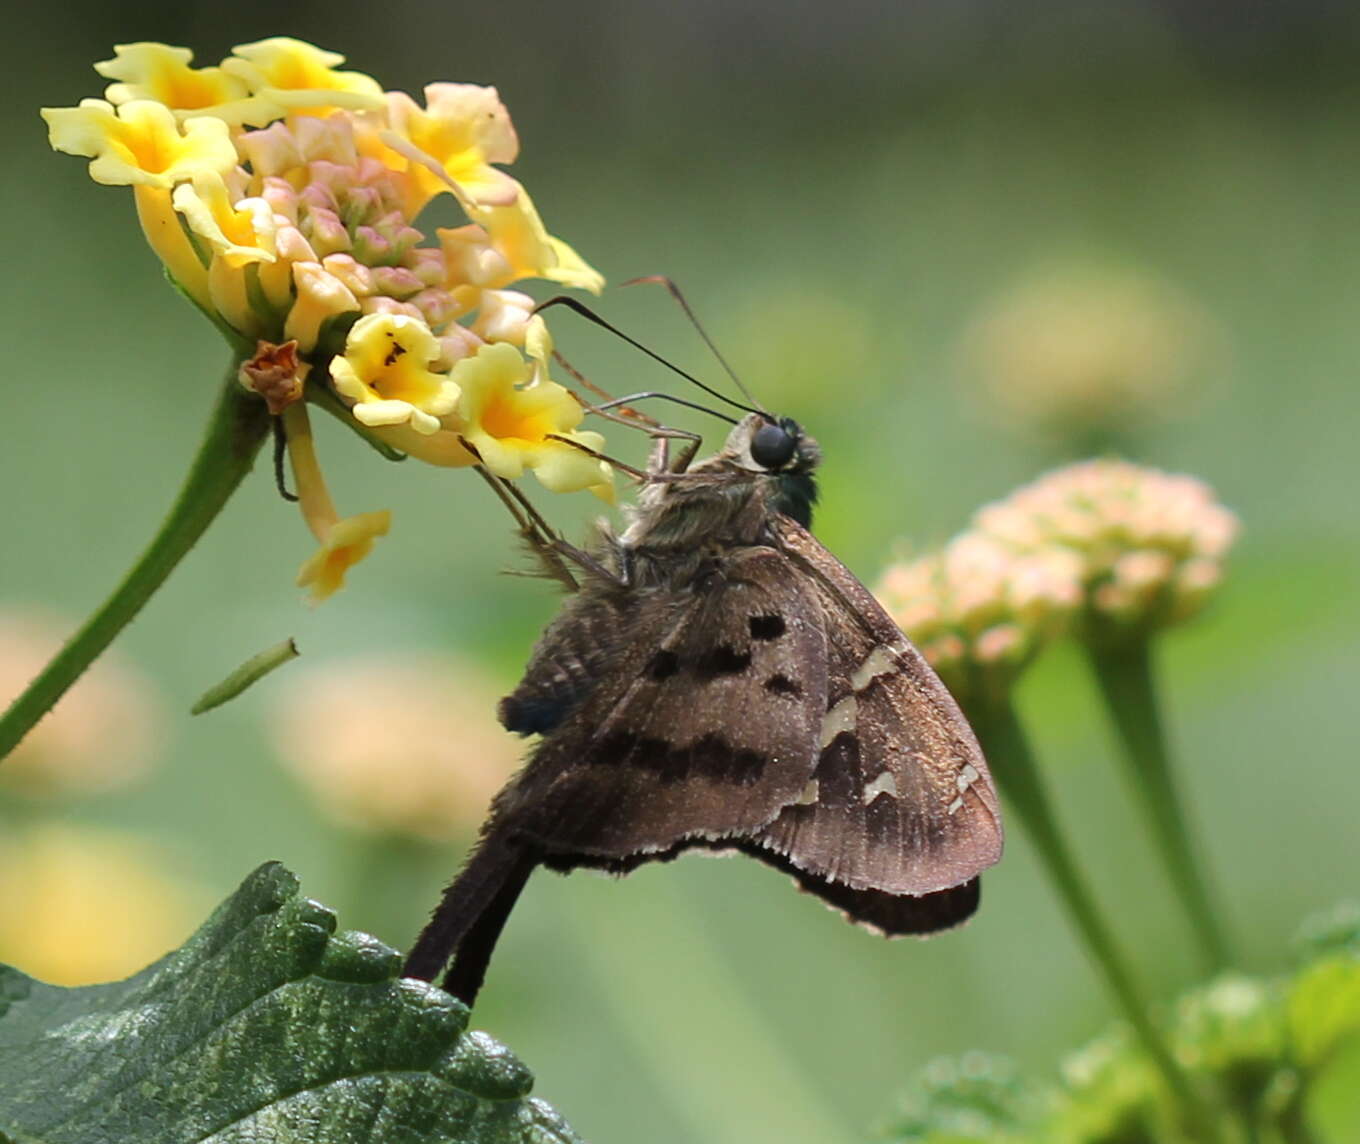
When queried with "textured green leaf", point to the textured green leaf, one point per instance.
{"points": [[267, 1027], [979, 1097]]}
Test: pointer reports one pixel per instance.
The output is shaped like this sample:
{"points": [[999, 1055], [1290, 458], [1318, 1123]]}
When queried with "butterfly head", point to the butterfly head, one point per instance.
{"points": [[778, 447]]}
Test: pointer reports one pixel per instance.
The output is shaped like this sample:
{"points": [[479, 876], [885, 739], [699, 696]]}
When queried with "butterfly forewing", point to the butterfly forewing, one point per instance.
{"points": [[705, 724], [902, 801]]}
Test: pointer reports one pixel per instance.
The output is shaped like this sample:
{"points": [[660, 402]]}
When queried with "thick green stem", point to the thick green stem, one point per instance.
{"points": [[238, 427], [1012, 763], [1124, 673]]}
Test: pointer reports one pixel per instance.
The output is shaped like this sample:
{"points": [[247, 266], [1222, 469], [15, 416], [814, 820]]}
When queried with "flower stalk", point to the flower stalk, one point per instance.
{"points": [[1017, 773], [236, 430], [1125, 674]]}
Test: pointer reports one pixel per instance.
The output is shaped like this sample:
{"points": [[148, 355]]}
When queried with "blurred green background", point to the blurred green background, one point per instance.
{"points": [[845, 191]]}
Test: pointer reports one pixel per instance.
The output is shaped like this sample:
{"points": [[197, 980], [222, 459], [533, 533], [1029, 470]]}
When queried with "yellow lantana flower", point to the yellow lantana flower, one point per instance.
{"points": [[516, 232], [385, 374], [320, 296], [239, 233], [161, 73], [283, 196], [79, 905], [139, 143], [512, 425], [463, 129], [301, 78], [343, 543], [346, 542]]}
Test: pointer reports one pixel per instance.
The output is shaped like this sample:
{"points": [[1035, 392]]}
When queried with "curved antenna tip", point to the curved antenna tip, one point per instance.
{"points": [[674, 291]]}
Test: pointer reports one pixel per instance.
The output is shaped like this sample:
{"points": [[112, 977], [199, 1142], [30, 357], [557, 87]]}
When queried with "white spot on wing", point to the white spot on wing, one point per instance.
{"points": [[884, 784], [966, 778], [840, 718], [957, 804], [880, 661]]}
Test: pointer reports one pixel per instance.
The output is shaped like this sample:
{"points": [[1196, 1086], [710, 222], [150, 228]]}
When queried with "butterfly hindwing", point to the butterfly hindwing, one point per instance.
{"points": [[702, 723], [902, 803]]}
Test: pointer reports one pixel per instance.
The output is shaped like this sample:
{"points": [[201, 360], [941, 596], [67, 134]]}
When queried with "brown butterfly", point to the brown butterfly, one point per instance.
{"points": [[720, 681]]}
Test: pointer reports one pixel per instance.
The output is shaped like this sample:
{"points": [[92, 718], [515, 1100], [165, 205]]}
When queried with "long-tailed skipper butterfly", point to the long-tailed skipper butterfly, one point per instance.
{"points": [[720, 681]]}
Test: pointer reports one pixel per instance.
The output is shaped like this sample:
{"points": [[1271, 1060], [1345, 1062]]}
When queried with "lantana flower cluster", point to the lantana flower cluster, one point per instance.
{"points": [[1151, 545], [979, 611], [1088, 351], [1114, 549], [282, 195]]}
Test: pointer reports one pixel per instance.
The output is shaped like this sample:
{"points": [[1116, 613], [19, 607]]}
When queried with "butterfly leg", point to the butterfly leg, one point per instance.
{"points": [[547, 544], [468, 971], [532, 528], [470, 916]]}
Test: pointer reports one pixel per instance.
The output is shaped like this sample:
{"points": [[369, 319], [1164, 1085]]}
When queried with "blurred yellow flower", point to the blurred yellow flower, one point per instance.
{"points": [[401, 744], [105, 732], [79, 906], [1089, 351]]}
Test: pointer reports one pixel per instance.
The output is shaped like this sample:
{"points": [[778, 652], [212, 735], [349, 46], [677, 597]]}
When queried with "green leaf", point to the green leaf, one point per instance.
{"points": [[1324, 1008], [979, 1097], [266, 1026], [247, 675]]}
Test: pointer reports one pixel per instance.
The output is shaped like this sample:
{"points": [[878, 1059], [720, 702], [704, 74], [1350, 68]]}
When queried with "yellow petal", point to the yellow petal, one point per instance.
{"points": [[301, 78], [461, 131], [161, 225], [320, 295], [384, 373], [139, 143], [518, 233], [348, 542], [161, 73], [240, 233], [560, 468]]}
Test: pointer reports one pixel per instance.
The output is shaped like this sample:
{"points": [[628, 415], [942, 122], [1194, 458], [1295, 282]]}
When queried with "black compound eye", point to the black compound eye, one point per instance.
{"points": [[772, 446]]}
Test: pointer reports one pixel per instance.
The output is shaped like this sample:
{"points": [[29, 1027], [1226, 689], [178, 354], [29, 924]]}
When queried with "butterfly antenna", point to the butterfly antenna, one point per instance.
{"points": [[590, 316], [674, 291], [633, 417]]}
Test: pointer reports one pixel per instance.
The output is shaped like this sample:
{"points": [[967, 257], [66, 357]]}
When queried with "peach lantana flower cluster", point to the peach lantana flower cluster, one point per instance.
{"points": [[282, 195], [979, 611], [1111, 548], [1150, 545]]}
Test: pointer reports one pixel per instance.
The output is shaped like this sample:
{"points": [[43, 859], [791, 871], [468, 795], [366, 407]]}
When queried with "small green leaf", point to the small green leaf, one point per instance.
{"points": [[249, 673], [266, 1026], [1324, 1009]]}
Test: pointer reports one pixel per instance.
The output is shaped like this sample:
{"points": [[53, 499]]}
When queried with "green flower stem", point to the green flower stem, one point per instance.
{"points": [[1017, 773], [1124, 672], [236, 430]]}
